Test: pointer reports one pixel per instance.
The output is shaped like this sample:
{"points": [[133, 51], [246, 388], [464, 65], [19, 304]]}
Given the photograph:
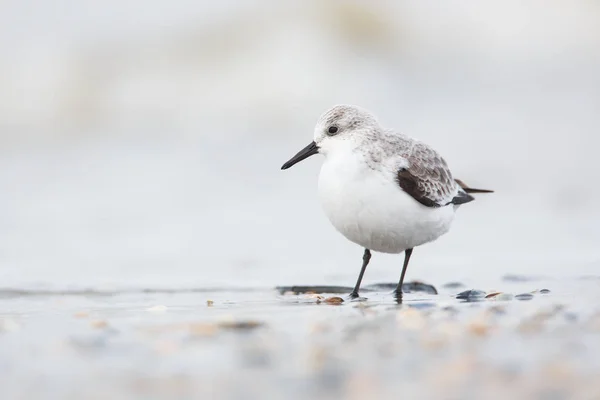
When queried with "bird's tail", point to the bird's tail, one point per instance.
{"points": [[470, 189]]}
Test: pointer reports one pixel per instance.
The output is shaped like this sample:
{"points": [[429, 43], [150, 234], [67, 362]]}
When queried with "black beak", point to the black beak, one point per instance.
{"points": [[306, 152]]}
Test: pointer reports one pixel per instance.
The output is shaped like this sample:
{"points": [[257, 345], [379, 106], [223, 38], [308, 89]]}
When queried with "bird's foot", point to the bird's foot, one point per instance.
{"points": [[354, 296], [398, 296]]}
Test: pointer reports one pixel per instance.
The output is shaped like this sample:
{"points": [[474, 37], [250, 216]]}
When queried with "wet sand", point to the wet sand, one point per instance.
{"points": [[537, 339]]}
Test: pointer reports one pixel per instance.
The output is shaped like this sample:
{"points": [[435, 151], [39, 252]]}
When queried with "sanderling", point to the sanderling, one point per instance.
{"points": [[380, 189]]}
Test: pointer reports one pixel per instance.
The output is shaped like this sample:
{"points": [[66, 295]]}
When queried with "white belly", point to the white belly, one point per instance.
{"points": [[371, 210]]}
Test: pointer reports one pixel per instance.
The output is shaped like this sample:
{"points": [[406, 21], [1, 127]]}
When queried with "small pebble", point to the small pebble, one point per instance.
{"points": [[334, 300], [545, 291], [524, 296], [471, 295], [492, 295]]}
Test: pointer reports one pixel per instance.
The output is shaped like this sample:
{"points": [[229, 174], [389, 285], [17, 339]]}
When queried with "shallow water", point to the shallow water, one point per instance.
{"points": [[259, 343]]}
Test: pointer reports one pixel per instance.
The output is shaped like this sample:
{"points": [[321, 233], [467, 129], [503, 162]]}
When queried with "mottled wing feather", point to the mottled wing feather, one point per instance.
{"points": [[427, 178]]}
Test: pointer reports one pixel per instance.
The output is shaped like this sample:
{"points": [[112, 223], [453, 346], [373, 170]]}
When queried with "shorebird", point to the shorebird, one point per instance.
{"points": [[382, 190]]}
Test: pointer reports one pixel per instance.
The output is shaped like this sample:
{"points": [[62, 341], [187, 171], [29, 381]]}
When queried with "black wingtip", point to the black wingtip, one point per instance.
{"points": [[462, 198], [473, 190]]}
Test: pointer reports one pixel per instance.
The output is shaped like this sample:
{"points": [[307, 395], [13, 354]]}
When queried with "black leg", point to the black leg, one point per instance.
{"points": [[407, 254], [366, 259]]}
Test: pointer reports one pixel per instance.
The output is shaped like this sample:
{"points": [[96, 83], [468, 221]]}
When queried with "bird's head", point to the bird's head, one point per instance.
{"points": [[339, 128]]}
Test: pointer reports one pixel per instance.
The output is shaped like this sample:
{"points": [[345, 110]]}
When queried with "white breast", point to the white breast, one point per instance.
{"points": [[370, 209]]}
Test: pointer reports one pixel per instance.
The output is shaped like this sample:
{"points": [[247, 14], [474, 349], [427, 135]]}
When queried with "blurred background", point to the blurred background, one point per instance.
{"points": [[140, 141]]}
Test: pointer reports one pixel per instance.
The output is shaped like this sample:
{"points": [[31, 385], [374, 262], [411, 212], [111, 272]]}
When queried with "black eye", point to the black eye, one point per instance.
{"points": [[332, 130]]}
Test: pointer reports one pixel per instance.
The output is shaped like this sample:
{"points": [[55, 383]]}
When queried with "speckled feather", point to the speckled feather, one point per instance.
{"points": [[427, 177], [418, 169]]}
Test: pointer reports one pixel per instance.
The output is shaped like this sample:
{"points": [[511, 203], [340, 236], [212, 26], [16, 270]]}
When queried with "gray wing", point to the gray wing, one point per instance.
{"points": [[428, 179]]}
